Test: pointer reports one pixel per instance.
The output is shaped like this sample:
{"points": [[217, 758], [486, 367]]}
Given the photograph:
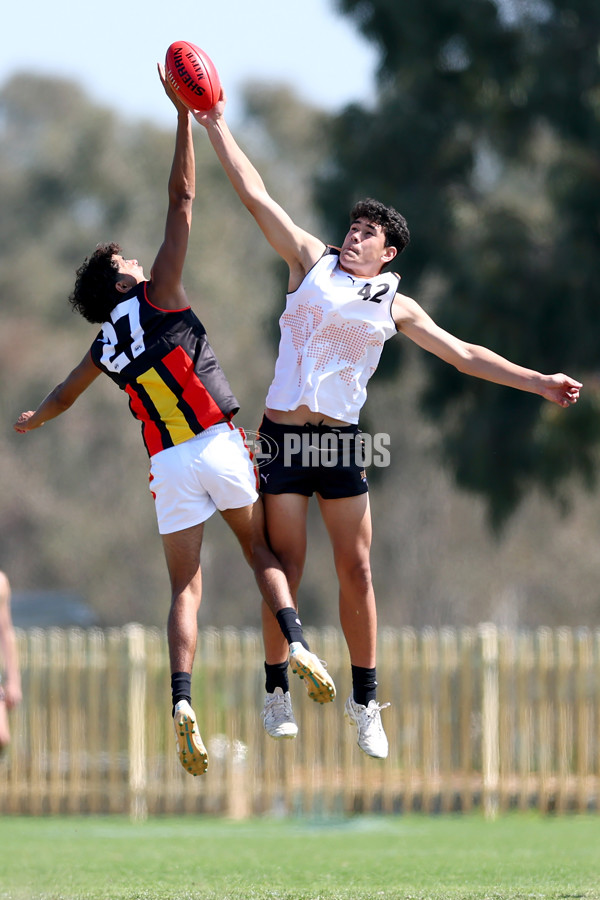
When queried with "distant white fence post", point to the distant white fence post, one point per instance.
{"points": [[136, 721], [490, 719]]}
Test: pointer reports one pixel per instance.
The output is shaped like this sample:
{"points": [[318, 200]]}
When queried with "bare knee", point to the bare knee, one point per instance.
{"points": [[355, 575], [185, 599]]}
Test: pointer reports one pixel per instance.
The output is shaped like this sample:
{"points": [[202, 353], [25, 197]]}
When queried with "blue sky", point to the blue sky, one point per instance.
{"points": [[112, 50]]}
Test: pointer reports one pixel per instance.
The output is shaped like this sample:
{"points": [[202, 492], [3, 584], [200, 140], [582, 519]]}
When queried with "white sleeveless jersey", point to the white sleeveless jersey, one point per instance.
{"points": [[332, 334]]}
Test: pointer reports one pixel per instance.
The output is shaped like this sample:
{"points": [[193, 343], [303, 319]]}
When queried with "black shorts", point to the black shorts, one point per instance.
{"points": [[308, 459]]}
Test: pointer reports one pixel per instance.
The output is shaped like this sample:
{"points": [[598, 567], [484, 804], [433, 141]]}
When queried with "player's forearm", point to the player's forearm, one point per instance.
{"points": [[56, 403], [52, 406], [182, 179], [489, 366], [243, 176], [62, 397]]}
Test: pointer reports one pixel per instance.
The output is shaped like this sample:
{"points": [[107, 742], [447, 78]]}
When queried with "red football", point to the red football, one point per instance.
{"points": [[192, 74]]}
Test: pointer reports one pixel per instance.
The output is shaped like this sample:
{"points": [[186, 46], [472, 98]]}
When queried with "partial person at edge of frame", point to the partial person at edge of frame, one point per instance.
{"points": [[10, 682]]}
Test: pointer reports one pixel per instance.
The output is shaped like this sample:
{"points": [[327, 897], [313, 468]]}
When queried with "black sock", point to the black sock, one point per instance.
{"points": [[181, 687], [277, 676], [364, 684], [291, 626]]}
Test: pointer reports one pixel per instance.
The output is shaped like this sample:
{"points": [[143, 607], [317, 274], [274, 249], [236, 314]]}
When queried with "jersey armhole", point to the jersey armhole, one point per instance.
{"points": [[397, 291], [160, 308]]}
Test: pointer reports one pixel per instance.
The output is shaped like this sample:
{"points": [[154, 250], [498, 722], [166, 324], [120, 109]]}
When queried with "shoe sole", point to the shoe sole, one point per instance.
{"points": [[192, 753], [319, 683], [282, 737]]}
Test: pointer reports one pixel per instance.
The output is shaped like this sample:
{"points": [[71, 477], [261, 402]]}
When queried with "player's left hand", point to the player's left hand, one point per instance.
{"points": [[203, 117]]}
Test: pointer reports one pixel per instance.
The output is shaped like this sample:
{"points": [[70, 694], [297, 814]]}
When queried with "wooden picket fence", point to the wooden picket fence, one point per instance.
{"points": [[481, 717]]}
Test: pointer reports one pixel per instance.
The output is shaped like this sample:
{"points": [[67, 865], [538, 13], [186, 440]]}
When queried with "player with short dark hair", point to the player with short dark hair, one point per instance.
{"points": [[153, 346], [341, 308], [393, 225]]}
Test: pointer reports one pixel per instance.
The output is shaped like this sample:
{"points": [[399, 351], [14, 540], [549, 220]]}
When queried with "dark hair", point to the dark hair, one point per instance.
{"points": [[95, 294], [392, 223]]}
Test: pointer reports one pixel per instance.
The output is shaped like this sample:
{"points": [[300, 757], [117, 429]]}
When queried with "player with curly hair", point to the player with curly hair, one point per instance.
{"points": [[153, 346]]}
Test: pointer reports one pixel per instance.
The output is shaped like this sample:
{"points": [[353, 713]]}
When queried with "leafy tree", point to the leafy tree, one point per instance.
{"points": [[485, 134]]}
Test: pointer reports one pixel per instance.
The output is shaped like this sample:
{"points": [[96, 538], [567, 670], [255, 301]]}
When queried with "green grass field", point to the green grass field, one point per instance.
{"points": [[363, 858]]}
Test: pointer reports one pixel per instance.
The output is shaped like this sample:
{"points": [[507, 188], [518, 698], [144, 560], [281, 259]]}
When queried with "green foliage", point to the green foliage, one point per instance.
{"points": [[485, 134]]}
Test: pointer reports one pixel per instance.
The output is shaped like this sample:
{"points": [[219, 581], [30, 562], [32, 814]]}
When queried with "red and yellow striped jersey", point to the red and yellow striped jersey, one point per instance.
{"points": [[162, 359]]}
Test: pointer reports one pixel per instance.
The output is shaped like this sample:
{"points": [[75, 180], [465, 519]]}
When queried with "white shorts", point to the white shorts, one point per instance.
{"points": [[213, 470]]}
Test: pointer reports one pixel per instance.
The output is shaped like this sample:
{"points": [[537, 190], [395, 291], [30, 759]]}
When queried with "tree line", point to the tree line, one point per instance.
{"points": [[484, 134]]}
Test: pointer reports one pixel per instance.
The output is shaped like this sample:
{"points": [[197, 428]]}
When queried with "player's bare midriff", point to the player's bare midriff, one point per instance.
{"points": [[303, 415]]}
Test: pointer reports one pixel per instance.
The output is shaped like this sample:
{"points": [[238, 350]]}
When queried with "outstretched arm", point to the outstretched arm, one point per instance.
{"points": [[61, 398], [166, 288], [8, 642], [297, 247], [478, 361]]}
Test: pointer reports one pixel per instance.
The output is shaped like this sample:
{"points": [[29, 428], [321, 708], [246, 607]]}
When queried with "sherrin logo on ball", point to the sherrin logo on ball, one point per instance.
{"points": [[192, 74]]}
